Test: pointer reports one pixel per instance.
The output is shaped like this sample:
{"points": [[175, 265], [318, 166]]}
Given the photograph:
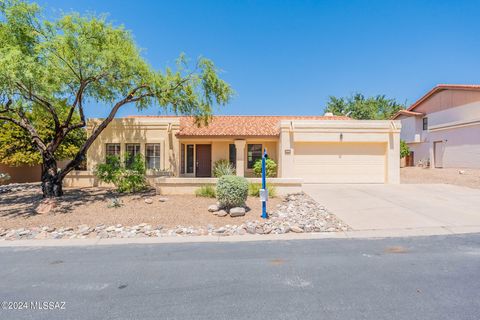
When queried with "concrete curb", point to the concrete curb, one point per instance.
{"points": [[358, 234]]}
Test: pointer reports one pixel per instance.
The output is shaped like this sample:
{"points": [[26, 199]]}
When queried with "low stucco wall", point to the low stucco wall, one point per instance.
{"points": [[170, 185], [86, 179], [23, 174], [189, 185]]}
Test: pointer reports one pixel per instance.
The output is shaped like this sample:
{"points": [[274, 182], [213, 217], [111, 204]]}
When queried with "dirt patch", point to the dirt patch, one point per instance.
{"points": [[89, 206], [457, 176]]}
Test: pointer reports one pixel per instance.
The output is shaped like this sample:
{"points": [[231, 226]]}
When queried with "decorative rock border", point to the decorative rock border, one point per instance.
{"points": [[298, 213]]}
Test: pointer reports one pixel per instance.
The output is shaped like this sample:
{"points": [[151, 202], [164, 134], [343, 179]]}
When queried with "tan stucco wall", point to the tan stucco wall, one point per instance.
{"points": [[138, 130], [362, 135], [370, 141]]}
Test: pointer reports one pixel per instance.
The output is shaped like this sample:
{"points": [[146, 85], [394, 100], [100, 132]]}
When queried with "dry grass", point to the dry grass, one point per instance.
{"points": [[470, 177], [90, 206]]}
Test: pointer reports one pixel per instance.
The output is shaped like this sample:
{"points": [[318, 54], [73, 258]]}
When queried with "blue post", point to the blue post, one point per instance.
{"points": [[264, 185]]}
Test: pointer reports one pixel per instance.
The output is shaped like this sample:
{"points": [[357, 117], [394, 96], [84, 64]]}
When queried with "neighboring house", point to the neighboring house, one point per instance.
{"points": [[310, 149], [442, 128]]}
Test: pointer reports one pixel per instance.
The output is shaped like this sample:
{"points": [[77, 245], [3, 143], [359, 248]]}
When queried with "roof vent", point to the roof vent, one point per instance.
{"points": [[328, 114]]}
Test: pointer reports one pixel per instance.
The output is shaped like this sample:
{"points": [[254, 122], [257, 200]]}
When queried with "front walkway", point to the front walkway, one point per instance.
{"points": [[404, 206]]}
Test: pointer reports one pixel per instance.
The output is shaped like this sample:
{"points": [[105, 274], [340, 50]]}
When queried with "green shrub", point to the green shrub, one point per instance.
{"points": [[206, 191], [223, 167], [254, 190], [404, 149], [270, 168], [131, 179], [109, 171], [232, 191]]}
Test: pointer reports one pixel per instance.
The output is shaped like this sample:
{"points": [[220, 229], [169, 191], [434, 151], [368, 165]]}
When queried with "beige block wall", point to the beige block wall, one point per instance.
{"points": [[22, 174]]}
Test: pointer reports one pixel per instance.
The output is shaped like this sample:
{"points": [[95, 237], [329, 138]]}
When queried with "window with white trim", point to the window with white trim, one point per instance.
{"points": [[152, 155], [112, 149], [132, 150]]}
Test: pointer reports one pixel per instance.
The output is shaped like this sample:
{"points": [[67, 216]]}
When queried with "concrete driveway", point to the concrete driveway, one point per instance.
{"points": [[404, 206]]}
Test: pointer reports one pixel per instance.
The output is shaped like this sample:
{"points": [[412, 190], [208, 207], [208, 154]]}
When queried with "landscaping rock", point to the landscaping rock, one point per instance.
{"points": [[162, 199], [46, 206], [298, 213], [148, 200], [296, 229], [237, 212], [221, 213], [213, 208]]}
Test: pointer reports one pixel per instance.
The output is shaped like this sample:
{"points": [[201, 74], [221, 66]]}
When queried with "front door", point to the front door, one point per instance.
{"points": [[438, 150], [204, 160]]}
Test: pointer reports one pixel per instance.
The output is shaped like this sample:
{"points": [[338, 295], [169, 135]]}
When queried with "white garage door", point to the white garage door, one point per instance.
{"points": [[340, 162]]}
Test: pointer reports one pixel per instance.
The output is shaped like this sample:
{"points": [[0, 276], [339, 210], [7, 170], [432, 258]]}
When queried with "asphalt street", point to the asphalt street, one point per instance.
{"points": [[434, 277]]}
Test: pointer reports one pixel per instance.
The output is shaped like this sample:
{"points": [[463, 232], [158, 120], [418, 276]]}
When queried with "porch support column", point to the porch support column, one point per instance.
{"points": [[240, 157]]}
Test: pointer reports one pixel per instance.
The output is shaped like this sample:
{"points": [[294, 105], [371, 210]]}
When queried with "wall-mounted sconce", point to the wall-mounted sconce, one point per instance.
{"points": [[341, 136]]}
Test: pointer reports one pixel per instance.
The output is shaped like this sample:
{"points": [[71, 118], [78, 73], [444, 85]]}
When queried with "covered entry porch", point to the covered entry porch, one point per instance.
{"points": [[198, 155]]}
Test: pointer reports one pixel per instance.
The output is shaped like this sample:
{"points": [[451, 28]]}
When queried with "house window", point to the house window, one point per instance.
{"points": [[113, 149], [425, 123], [254, 152], [152, 155], [132, 149], [232, 155]]}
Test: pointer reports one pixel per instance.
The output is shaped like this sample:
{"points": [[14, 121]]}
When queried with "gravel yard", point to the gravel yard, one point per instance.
{"points": [[462, 177], [87, 213]]}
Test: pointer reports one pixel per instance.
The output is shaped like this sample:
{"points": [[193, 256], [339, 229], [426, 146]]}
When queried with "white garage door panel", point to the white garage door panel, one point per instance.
{"points": [[340, 162]]}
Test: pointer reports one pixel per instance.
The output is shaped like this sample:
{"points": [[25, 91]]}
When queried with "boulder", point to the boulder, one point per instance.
{"points": [[162, 199], [46, 206], [148, 200], [237, 212]]}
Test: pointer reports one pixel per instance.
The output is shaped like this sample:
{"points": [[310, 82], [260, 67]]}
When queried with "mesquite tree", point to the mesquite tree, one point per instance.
{"points": [[60, 65]]}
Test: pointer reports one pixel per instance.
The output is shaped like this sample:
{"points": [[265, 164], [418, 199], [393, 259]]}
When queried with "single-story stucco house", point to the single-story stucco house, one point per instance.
{"points": [[442, 128], [308, 149]]}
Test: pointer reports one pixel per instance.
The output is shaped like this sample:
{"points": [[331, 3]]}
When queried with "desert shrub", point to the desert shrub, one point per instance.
{"points": [[206, 191], [404, 149], [125, 179], [232, 191], [4, 177], [115, 203], [223, 167], [254, 190], [270, 168]]}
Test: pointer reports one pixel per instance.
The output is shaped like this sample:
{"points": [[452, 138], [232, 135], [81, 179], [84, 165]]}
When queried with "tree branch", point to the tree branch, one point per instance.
{"points": [[81, 153], [42, 101]]}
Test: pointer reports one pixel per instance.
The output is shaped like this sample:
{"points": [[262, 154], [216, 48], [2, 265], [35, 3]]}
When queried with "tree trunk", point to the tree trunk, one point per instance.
{"points": [[51, 179]]}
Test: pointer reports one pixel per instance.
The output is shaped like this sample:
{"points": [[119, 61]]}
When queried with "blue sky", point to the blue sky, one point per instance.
{"points": [[287, 57]]}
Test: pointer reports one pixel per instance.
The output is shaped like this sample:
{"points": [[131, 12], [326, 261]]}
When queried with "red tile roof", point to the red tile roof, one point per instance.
{"points": [[241, 125], [438, 88]]}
